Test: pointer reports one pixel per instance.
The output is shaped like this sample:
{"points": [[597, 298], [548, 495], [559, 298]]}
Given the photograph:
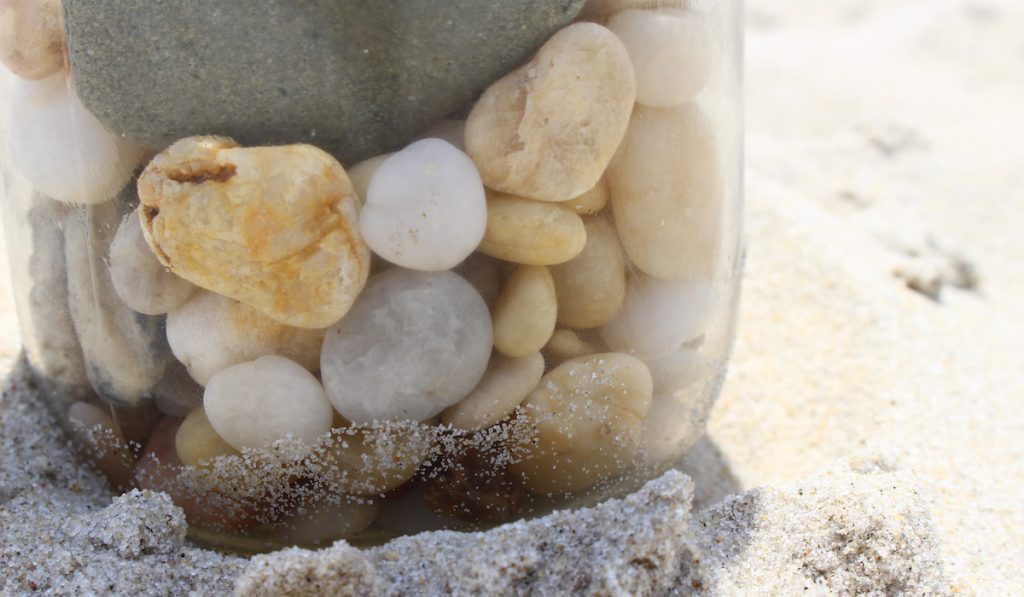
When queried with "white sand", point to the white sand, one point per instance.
{"points": [[884, 150]]}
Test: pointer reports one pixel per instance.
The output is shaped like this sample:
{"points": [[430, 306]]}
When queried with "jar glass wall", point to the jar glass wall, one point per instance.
{"points": [[357, 270]]}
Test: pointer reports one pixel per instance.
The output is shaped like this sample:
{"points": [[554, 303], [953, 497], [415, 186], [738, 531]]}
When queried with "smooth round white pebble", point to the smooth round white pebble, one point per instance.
{"points": [[254, 404], [425, 207], [140, 280], [210, 332], [658, 316], [60, 147], [670, 50], [413, 344]]}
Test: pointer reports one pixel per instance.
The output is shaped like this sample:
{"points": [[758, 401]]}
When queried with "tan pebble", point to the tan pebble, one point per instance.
{"points": [[374, 460], [666, 190], [276, 228], [196, 442], [592, 286], [503, 387], [592, 201], [548, 129], [361, 173], [588, 413], [564, 345], [94, 430], [32, 37], [524, 316], [530, 232], [600, 10]]}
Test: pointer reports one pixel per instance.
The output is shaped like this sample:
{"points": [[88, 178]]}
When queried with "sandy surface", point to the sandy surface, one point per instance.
{"points": [[882, 307]]}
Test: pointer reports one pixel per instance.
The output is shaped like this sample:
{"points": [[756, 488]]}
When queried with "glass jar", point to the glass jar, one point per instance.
{"points": [[356, 270]]}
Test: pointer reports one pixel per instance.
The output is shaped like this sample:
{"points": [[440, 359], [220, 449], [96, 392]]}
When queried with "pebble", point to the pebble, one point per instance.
{"points": [[666, 193], [224, 217], [32, 37], [197, 443], [125, 352], [659, 316], [366, 364], [483, 273], [425, 207], [142, 282], [564, 345], [592, 286], [678, 370], [375, 460], [531, 232], [503, 387], [35, 252], [548, 129], [524, 316], [94, 430], [363, 172], [254, 404], [210, 333], [674, 423], [63, 151], [324, 523], [670, 50], [592, 201], [356, 78], [588, 414]]}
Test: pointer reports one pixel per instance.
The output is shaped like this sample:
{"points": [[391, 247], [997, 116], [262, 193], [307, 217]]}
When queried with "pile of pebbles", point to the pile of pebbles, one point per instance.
{"points": [[503, 312]]}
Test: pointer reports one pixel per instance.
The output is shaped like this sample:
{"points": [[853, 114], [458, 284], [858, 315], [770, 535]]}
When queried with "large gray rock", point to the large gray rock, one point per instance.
{"points": [[353, 76]]}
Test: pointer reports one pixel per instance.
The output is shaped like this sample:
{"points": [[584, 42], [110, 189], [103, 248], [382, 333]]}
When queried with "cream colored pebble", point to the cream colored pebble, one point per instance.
{"points": [[592, 286], [524, 316], [564, 345], [361, 173], [375, 460], [592, 201], [210, 333], [276, 228], [139, 279], [671, 53], [659, 316], [254, 404], [588, 414], [531, 232], [548, 129], [32, 42], [197, 442], [503, 387], [666, 193]]}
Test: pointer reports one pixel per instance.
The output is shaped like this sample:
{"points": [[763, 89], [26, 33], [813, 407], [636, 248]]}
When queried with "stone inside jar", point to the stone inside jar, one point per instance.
{"points": [[506, 312]]}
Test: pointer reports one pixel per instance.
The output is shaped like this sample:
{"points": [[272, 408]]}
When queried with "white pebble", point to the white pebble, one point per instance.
{"points": [[670, 51], [140, 280], [210, 333], [658, 316], [254, 404], [425, 207], [60, 147], [413, 344]]}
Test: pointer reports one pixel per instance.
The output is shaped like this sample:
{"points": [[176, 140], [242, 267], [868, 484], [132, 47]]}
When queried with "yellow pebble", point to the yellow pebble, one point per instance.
{"points": [[524, 316], [197, 443], [531, 232], [592, 287]]}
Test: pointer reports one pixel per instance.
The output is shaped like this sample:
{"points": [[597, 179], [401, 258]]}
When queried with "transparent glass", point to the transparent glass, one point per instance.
{"points": [[359, 270]]}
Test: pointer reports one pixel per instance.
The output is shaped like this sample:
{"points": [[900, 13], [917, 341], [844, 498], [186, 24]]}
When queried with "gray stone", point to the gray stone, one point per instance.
{"points": [[413, 344], [125, 352], [357, 78]]}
